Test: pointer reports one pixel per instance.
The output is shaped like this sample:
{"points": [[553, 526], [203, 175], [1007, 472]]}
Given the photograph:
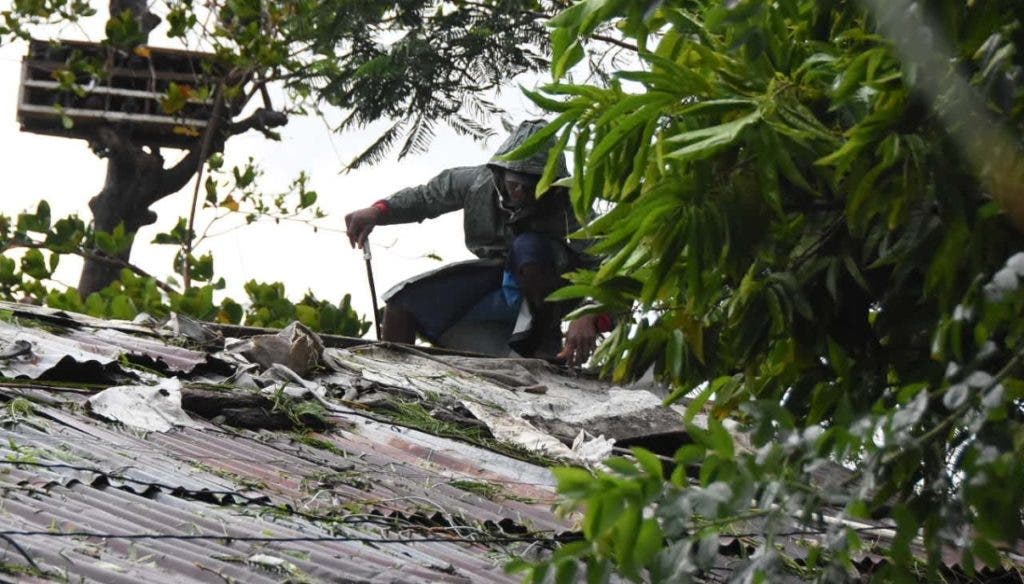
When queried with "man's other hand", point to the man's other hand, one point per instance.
{"points": [[360, 223], [580, 340]]}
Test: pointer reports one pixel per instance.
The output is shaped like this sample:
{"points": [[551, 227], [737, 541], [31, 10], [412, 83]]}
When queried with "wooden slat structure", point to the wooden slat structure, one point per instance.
{"points": [[129, 94]]}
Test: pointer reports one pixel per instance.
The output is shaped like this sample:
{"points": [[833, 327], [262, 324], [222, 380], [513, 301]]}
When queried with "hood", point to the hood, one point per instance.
{"points": [[533, 164]]}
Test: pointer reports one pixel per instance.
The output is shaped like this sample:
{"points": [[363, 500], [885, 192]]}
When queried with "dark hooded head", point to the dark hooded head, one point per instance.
{"points": [[523, 170]]}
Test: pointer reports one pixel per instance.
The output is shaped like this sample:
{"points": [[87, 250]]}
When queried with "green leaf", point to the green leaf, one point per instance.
{"points": [[307, 198], [96, 305], [38, 222], [987, 552], [567, 572], [652, 105], [178, 235], [553, 163], [566, 51], [122, 308], [8, 272], [707, 141], [696, 405], [553, 105], [573, 482], [308, 316], [627, 528], [34, 264], [581, 16], [649, 462], [66, 235], [622, 466], [176, 97], [648, 542], [202, 268], [719, 439], [210, 186]]}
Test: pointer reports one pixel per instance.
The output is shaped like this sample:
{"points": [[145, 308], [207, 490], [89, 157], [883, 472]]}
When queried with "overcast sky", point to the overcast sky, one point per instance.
{"points": [[66, 173]]}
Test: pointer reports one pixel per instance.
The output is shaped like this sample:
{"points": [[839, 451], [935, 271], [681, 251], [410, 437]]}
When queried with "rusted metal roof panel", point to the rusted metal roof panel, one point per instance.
{"points": [[212, 503], [68, 472], [171, 556]]}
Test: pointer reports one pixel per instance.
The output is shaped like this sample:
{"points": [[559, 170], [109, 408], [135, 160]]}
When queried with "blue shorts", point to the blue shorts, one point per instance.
{"points": [[473, 291]]}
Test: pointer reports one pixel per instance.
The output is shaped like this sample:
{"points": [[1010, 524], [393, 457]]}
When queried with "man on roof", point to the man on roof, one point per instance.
{"points": [[521, 240]]}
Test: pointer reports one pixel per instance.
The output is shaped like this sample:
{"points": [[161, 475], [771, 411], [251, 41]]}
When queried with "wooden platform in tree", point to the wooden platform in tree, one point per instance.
{"points": [[72, 88]]}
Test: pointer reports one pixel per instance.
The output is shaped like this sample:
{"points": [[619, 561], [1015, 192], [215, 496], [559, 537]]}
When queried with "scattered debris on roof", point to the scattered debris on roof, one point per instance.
{"points": [[167, 452], [181, 452]]}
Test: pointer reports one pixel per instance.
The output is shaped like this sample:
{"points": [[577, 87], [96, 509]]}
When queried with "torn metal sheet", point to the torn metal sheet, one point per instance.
{"points": [[181, 325], [405, 482], [154, 408], [45, 350], [177, 359], [505, 394], [67, 318], [518, 431], [40, 351], [592, 449], [296, 347]]}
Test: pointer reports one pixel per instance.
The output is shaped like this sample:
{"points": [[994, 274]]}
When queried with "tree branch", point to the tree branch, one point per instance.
{"points": [[175, 178], [261, 120], [616, 42], [206, 148], [99, 257], [115, 261]]}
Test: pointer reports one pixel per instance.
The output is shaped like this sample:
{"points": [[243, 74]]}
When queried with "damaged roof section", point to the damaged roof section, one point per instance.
{"points": [[39, 353], [136, 452], [166, 452]]}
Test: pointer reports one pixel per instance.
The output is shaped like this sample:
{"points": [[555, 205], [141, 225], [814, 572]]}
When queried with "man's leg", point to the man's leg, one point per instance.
{"points": [[535, 267], [399, 325]]}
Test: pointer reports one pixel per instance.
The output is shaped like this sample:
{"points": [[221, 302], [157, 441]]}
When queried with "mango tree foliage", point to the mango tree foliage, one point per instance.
{"points": [[802, 237]]}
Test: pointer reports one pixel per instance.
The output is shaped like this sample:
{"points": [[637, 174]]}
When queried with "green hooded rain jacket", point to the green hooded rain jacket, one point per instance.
{"points": [[490, 226]]}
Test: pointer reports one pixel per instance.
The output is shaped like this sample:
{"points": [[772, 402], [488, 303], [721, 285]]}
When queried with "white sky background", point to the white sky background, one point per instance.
{"points": [[67, 174]]}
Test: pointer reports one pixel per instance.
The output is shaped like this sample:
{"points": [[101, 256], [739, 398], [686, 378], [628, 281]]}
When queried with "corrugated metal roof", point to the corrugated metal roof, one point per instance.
{"points": [[101, 479], [63, 471]]}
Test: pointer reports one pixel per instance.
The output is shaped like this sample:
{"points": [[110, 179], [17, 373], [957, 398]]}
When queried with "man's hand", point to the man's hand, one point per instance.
{"points": [[360, 223], [580, 340]]}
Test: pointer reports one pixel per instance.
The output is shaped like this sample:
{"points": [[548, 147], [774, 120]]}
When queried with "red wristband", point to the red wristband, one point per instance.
{"points": [[604, 323], [382, 206]]}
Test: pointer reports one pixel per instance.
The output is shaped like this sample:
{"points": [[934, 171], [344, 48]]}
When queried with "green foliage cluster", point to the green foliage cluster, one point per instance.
{"points": [[269, 307], [416, 62], [803, 239], [45, 241]]}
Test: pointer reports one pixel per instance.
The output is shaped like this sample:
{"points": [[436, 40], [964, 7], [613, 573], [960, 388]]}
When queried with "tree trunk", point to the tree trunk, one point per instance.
{"points": [[133, 179], [136, 176]]}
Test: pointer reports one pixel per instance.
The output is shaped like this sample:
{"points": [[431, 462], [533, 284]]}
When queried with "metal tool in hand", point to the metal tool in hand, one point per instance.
{"points": [[373, 288]]}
